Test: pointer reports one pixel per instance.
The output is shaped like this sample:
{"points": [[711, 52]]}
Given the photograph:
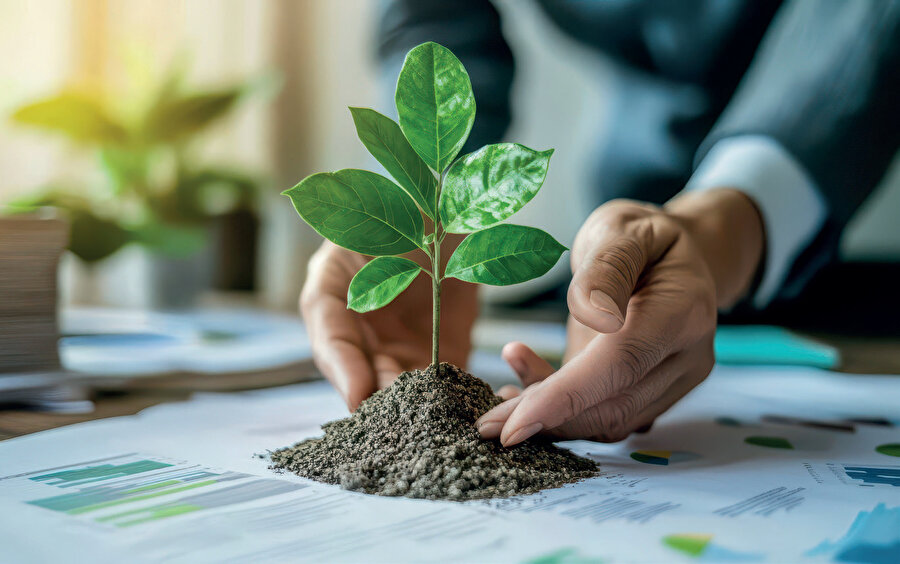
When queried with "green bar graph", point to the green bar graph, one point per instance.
{"points": [[99, 473], [115, 490], [106, 504]]}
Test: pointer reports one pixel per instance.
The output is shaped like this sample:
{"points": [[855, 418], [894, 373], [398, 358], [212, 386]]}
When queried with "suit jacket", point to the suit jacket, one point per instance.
{"points": [[821, 77]]}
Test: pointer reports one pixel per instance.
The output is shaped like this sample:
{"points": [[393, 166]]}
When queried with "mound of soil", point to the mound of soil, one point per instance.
{"points": [[417, 439]]}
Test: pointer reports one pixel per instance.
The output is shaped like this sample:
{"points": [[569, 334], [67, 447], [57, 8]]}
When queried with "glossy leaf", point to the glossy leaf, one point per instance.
{"points": [[80, 117], [504, 254], [383, 138], [490, 185], [359, 210], [379, 282], [435, 104]]}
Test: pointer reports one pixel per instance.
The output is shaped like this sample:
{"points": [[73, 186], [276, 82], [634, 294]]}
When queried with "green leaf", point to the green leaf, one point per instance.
{"points": [[175, 117], [124, 166], [383, 138], [94, 238], [503, 255], [170, 239], [80, 117], [379, 282], [491, 184], [435, 104], [359, 210]]}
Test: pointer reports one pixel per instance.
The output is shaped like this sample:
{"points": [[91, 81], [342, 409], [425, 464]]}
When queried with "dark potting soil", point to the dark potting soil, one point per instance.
{"points": [[417, 439]]}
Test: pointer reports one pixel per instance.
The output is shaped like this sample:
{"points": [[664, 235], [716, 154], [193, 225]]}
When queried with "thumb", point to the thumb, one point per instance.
{"points": [[529, 367], [604, 280]]}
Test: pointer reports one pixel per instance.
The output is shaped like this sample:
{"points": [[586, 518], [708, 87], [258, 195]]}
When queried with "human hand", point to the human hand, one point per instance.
{"points": [[360, 353], [646, 283]]}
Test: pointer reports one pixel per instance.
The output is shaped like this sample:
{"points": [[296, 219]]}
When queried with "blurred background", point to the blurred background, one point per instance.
{"points": [[166, 130], [162, 134]]}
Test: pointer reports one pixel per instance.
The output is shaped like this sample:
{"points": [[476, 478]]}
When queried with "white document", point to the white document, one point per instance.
{"points": [[755, 465], [134, 343]]}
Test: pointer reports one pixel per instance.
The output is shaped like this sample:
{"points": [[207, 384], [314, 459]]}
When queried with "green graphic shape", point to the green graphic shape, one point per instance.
{"points": [[99, 473], [113, 503], [769, 442], [663, 457], [564, 556], [889, 449], [692, 545], [728, 421], [655, 457], [155, 514]]}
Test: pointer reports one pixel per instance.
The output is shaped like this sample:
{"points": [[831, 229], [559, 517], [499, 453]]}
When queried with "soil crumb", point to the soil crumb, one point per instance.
{"points": [[417, 439]]}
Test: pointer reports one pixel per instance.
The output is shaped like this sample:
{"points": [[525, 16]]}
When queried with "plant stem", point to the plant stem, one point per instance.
{"points": [[436, 288], [436, 306]]}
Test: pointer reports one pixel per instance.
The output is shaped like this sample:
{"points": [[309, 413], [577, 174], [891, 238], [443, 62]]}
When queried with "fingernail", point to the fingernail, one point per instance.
{"points": [[490, 429], [606, 305], [485, 418], [522, 433]]}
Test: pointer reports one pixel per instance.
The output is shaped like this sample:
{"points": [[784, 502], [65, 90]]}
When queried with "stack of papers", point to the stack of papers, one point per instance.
{"points": [[780, 465], [29, 252]]}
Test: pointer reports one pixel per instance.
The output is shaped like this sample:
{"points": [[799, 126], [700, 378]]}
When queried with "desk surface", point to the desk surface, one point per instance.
{"points": [[758, 464]]}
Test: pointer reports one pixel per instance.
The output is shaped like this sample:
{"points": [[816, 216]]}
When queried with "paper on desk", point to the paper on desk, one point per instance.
{"points": [[134, 343], [745, 468]]}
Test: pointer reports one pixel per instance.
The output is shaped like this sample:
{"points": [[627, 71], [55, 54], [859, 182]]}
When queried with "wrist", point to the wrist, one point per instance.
{"points": [[728, 229]]}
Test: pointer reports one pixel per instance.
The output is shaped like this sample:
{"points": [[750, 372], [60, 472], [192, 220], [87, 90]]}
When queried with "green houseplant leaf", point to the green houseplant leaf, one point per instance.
{"points": [[384, 139], [380, 281], [503, 255], [173, 118], [435, 104], [94, 238], [80, 117], [490, 185], [359, 210], [173, 240]]}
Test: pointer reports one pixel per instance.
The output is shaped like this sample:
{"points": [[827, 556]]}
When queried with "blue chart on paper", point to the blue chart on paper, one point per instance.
{"points": [[874, 475], [874, 537]]}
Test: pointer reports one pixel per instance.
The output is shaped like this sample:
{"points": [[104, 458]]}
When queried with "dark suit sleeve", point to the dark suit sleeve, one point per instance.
{"points": [[469, 28], [825, 85]]}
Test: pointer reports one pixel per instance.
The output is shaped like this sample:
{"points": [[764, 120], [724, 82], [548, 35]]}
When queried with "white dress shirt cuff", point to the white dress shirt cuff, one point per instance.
{"points": [[789, 201]]}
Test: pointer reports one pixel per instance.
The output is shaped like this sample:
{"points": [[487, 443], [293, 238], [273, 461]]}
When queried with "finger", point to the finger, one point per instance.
{"points": [[578, 337], [386, 370], [530, 367], [635, 409], [644, 429], [490, 424], [607, 274], [509, 391], [614, 419], [606, 367], [337, 350], [675, 393]]}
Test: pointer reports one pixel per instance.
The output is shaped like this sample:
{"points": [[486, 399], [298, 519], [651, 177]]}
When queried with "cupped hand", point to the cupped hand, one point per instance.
{"points": [[642, 305], [363, 352]]}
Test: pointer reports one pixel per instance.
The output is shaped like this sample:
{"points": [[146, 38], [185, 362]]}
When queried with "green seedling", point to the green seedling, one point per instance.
{"points": [[433, 194]]}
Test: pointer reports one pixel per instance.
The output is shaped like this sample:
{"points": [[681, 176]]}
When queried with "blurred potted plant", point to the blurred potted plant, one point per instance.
{"points": [[154, 191]]}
